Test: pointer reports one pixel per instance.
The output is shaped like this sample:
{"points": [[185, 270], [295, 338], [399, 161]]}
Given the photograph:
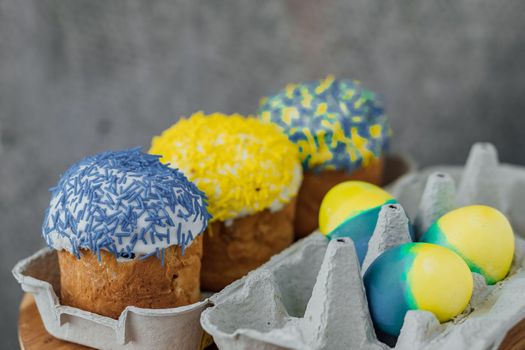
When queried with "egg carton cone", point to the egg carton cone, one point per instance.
{"points": [[311, 296], [136, 328]]}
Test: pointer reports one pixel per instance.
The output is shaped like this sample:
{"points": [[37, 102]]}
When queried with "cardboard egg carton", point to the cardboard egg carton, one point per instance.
{"points": [[311, 296], [136, 328]]}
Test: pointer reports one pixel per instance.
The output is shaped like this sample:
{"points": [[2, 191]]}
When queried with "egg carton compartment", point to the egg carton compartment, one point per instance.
{"points": [[136, 328], [311, 296]]}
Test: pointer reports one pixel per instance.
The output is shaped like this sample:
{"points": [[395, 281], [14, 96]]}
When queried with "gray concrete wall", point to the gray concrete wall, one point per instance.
{"points": [[79, 77]]}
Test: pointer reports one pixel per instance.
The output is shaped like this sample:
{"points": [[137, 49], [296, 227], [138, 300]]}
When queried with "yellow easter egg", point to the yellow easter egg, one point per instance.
{"points": [[349, 199], [481, 235], [416, 276]]}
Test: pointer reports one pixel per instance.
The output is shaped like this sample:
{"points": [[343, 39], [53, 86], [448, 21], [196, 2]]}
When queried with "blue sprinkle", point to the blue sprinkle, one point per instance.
{"points": [[120, 235], [55, 218], [144, 257], [142, 234], [183, 244], [152, 236], [133, 241], [101, 200], [190, 237], [179, 228]]}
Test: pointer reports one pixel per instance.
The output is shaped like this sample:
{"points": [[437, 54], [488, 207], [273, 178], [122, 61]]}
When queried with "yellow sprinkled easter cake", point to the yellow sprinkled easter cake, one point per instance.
{"points": [[251, 174]]}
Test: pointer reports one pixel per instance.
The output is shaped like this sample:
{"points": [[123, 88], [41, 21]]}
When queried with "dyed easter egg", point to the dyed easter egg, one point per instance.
{"points": [[350, 209], [481, 235], [416, 276]]}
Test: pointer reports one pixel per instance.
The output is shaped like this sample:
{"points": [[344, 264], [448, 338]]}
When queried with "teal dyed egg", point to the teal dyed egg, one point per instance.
{"points": [[481, 235], [351, 209], [416, 276]]}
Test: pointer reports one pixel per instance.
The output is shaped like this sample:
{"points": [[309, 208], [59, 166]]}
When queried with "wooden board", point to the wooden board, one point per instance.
{"points": [[33, 336], [515, 339]]}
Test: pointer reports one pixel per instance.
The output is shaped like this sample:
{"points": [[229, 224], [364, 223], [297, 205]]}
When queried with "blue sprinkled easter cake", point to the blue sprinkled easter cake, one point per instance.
{"points": [[341, 132], [127, 231]]}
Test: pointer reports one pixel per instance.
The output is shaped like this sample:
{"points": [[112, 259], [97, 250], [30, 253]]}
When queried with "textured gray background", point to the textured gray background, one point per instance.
{"points": [[79, 77]]}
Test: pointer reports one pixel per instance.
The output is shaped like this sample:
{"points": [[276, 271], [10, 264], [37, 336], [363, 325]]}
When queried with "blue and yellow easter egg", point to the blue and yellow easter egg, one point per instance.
{"points": [[416, 276], [481, 235], [350, 209]]}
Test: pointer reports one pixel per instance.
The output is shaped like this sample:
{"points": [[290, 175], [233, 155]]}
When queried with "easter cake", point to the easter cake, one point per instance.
{"points": [[127, 231], [251, 174], [341, 131]]}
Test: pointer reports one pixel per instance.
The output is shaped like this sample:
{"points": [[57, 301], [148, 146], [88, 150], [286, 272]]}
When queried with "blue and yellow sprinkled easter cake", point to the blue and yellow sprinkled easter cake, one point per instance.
{"points": [[127, 231], [341, 132], [251, 174]]}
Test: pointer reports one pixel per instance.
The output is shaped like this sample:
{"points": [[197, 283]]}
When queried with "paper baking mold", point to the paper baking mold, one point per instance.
{"points": [[136, 328], [311, 296]]}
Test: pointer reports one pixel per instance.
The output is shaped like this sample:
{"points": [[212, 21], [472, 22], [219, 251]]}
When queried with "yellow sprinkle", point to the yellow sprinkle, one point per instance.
{"points": [[275, 103], [375, 130], [360, 143], [351, 152], [321, 108], [290, 88], [323, 153], [242, 164], [325, 84], [310, 138], [343, 107], [304, 149], [293, 130], [307, 98], [290, 113], [308, 145], [349, 95], [326, 124], [338, 134], [359, 103]]}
